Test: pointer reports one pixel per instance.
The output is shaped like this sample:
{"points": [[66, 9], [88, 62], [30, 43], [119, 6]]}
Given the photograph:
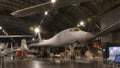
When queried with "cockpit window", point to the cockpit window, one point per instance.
{"points": [[74, 29]]}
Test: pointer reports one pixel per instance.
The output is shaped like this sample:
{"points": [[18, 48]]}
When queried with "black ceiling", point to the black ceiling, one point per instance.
{"points": [[56, 20]]}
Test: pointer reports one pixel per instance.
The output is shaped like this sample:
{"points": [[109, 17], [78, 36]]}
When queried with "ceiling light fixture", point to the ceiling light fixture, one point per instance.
{"points": [[37, 30], [53, 1], [78, 25], [46, 12], [0, 27], [81, 23], [33, 39]]}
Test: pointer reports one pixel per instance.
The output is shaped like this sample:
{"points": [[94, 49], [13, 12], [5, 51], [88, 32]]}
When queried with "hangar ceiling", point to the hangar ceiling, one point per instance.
{"points": [[56, 20]]}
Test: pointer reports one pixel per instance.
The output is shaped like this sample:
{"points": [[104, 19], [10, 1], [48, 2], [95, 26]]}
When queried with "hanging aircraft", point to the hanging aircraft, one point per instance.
{"points": [[45, 6], [74, 34]]}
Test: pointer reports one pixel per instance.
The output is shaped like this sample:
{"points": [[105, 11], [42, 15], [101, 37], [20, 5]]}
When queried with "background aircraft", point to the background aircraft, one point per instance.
{"points": [[3, 49], [23, 50], [24, 47]]}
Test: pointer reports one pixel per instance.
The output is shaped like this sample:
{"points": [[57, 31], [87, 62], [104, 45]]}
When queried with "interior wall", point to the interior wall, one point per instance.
{"points": [[116, 37], [108, 19]]}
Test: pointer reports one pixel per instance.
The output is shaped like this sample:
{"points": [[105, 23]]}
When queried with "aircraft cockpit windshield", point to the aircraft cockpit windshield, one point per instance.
{"points": [[74, 29]]}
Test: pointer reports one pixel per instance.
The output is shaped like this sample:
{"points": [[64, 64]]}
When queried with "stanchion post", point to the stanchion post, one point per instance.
{"points": [[2, 61]]}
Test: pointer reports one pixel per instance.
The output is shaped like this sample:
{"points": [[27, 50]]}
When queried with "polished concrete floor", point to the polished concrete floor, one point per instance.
{"points": [[20, 63]]}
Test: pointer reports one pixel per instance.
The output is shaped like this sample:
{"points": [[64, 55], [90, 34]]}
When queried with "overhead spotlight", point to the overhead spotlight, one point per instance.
{"points": [[78, 25], [33, 39], [0, 27], [37, 30], [82, 23], [46, 12], [53, 1]]}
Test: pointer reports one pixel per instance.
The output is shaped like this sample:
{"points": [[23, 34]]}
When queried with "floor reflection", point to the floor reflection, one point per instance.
{"points": [[19, 63]]}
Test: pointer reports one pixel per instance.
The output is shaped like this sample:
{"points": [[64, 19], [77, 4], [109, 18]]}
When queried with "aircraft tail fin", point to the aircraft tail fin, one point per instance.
{"points": [[6, 45], [24, 45], [3, 45]]}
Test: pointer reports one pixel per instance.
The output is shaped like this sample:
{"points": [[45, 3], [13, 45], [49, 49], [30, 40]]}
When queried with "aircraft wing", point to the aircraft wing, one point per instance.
{"points": [[11, 36], [39, 44], [45, 6]]}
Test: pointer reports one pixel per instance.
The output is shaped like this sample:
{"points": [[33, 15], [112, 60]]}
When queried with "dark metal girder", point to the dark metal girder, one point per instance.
{"points": [[14, 22]]}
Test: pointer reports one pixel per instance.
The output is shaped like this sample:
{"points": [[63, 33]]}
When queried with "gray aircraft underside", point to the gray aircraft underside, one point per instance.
{"points": [[65, 37], [74, 34]]}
